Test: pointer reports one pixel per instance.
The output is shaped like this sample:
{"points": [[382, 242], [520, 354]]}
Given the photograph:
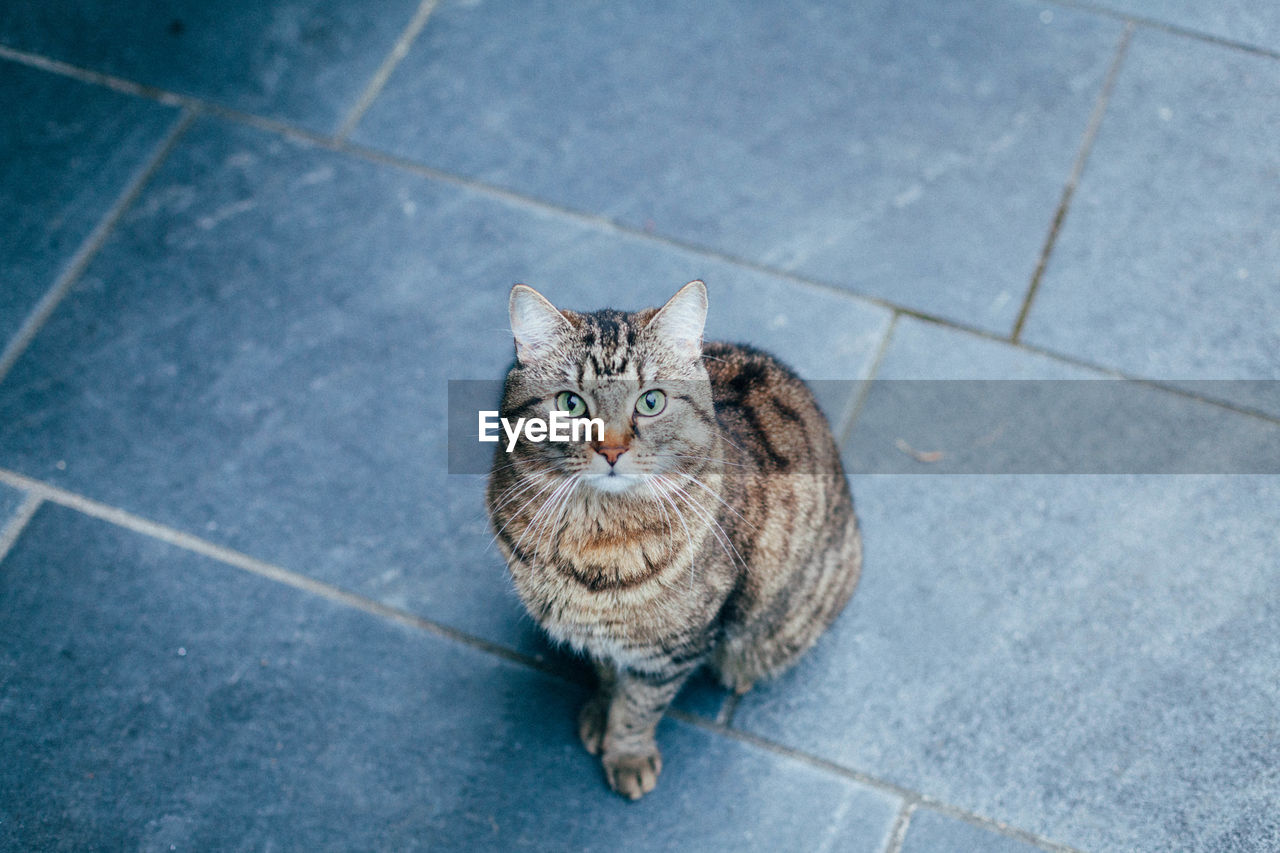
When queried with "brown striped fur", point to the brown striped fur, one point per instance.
{"points": [[725, 536]]}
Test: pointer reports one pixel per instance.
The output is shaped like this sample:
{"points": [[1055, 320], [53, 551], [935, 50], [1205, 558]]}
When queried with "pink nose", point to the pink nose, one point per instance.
{"points": [[611, 453]]}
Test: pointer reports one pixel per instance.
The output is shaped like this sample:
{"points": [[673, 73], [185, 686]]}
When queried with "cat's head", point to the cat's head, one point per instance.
{"points": [[638, 376]]}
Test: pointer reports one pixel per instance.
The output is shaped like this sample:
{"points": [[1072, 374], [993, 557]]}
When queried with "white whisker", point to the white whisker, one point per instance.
{"points": [[555, 514], [702, 458], [713, 494], [525, 488], [661, 507], [716, 530], [542, 491], [688, 536], [515, 492], [538, 515]]}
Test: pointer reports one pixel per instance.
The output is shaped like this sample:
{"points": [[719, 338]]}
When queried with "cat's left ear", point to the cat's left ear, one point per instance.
{"points": [[679, 323]]}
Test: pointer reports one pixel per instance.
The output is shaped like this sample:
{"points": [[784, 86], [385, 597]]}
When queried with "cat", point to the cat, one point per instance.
{"points": [[711, 522]]}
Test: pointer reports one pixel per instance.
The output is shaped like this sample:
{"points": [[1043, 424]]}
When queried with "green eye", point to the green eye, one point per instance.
{"points": [[651, 402], [567, 401]]}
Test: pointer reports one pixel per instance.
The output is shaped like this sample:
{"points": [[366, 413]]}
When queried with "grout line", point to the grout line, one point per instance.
{"points": [[543, 208], [900, 826], [918, 799], [1163, 26], [1077, 170], [864, 388], [1164, 385], [40, 492], [163, 96], [898, 311], [602, 223], [12, 529], [72, 271], [997, 827], [122, 518], [1236, 408], [96, 78], [398, 52]]}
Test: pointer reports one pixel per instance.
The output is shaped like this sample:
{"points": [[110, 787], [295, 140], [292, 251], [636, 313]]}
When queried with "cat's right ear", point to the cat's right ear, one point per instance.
{"points": [[679, 323], [536, 324]]}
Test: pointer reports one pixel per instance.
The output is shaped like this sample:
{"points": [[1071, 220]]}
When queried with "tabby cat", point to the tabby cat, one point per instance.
{"points": [[710, 523]]}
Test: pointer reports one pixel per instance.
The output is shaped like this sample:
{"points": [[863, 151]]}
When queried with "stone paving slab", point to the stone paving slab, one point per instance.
{"points": [[1010, 411], [1091, 659], [1168, 264], [259, 356], [923, 350], [153, 699], [307, 61], [1087, 658], [67, 151], [921, 164], [930, 832], [10, 499]]}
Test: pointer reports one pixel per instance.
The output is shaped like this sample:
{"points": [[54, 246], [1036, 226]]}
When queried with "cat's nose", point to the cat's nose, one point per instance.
{"points": [[611, 454]]}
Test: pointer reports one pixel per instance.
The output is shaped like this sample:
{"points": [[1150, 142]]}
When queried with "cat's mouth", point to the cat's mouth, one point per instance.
{"points": [[613, 482]]}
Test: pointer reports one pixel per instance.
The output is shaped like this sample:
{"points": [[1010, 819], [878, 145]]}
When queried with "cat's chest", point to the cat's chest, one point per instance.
{"points": [[616, 595]]}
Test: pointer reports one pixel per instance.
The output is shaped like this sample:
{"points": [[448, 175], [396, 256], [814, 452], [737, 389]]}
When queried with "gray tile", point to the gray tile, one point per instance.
{"points": [[1085, 657], [1053, 427], [856, 827], [67, 150], [305, 61], [10, 500], [930, 832], [1168, 264], [1011, 411], [152, 698], [1089, 658], [259, 355], [921, 350], [1251, 22], [912, 151]]}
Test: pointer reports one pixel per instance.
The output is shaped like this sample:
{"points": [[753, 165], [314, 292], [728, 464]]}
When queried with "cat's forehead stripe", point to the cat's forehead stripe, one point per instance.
{"points": [[610, 338]]}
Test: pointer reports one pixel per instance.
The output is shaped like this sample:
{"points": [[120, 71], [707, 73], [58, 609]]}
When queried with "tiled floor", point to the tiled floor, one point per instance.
{"points": [[244, 247]]}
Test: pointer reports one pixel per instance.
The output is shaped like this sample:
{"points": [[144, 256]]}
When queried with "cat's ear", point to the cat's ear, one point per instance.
{"points": [[679, 323], [536, 324]]}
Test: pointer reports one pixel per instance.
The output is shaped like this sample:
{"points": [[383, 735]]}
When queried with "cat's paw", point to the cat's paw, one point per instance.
{"points": [[591, 720], [633, 775]]}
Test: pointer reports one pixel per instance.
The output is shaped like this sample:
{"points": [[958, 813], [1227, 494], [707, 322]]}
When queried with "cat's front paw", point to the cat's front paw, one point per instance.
{"points": [[633, 775]]}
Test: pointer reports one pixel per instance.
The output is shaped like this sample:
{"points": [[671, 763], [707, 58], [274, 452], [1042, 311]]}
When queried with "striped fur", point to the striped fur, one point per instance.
{"points": [[726, 535]]}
